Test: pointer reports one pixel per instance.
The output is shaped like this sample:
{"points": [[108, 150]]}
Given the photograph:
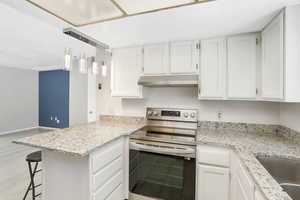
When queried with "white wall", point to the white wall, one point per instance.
{"points": [[18, 99], [78, 96], [290, 115], [233, 111]]}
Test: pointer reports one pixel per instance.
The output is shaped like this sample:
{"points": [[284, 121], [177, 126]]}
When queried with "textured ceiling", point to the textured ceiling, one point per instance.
{"points": [[31, 38]]}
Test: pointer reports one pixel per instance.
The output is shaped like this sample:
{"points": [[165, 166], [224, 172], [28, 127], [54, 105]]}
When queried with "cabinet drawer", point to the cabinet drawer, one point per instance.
{"points": [[116, 194], [102, 176], [213, 156], [106, 155], [109, 187]]}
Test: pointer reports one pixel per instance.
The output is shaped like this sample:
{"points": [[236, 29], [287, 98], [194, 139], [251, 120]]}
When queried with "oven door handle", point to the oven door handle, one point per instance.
{"points": [[151, 148]]}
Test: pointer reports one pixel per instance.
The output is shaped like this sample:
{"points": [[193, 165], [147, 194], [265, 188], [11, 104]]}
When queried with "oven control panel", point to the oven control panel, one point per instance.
{"points": [[172, 114]]}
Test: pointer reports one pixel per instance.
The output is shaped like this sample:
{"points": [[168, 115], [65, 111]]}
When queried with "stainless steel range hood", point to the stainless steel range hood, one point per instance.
{"points": [[169, 81]]}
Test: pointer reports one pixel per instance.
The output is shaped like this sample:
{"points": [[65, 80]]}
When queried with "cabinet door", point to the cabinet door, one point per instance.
{"points": [[212, 68], [210, 180], [184, 57], [126, 70], [241, 72], [242, 185], [238, 192], [259, 195], [272, 60], [156, 59]]}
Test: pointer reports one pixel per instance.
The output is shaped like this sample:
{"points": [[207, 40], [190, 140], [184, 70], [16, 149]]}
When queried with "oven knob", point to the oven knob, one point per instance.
{"points": [[155, 113], [192, 115], [186, 115]]}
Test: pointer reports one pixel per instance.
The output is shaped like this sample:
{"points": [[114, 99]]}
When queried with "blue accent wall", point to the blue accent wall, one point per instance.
{"points": [[54, 98]]}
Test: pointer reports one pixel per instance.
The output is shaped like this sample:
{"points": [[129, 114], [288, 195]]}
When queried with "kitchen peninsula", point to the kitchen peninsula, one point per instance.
{"points": [[86, 161]]}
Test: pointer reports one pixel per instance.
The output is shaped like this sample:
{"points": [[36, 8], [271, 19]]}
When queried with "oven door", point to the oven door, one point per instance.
{"points": [[162, 174]]}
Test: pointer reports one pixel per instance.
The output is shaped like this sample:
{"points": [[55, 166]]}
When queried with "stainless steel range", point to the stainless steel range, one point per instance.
{"points": [[162, 155]]}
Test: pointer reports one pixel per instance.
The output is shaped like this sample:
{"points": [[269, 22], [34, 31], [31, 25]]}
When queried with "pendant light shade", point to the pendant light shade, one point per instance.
{"points": [[104, 69], [83, 64], [68, 59], [95, 68]]}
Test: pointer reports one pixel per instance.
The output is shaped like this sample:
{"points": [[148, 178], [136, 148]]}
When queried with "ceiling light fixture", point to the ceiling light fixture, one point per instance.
{"points": [[68, 59], [95, 68], [82, 64], [104, 69]]}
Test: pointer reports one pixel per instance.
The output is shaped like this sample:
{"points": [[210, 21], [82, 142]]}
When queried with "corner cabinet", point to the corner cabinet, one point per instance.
{"points": [[212, 69], [126, 70], [241, 69], [184, 57], [281, 60], [221, 175], [272, 63]]}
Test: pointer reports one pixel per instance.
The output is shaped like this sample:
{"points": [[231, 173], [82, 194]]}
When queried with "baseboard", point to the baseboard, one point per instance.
{"points": [[18, 130], [49, 128]]}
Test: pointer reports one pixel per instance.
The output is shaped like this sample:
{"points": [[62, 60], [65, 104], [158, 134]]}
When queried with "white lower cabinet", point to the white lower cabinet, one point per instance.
{"points": [[237, 190], [109, 171], [212, 179], [259, 196], [222, 176], [242, 185]]}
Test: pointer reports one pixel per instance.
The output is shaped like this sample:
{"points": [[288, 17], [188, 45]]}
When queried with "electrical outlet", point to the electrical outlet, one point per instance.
{"points": [[220, 115]]}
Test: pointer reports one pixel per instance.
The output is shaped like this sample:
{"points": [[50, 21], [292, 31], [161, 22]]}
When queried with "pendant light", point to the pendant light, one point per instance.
{"points": [[68, 59], [95, 68], [104, 69], [83, 64]]}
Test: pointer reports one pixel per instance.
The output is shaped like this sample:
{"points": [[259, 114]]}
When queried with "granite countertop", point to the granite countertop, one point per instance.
{"points": [[250, 144], [247, 141], [83, 139]]}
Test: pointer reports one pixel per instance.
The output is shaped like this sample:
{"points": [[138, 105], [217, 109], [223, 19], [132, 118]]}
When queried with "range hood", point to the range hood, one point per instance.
{"points": [[169, 81]]}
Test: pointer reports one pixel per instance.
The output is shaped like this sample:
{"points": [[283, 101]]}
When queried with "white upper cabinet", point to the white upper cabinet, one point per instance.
{"points": [[212, 68], [184, 57], [241, 69], [156, 59], [126, 70], [272, 63], [281, 60]]}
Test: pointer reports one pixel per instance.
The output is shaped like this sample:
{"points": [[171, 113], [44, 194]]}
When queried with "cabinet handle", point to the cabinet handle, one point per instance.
{"points": [[197, 66], [199, 90]]}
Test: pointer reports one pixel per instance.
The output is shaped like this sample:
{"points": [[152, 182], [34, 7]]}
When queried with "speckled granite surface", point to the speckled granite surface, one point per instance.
{"points": [[247, 140], [248, 144], [83, 139]]}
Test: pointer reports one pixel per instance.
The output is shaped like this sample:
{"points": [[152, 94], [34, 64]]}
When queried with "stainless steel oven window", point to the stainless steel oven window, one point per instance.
{"points": [[162, 176]]}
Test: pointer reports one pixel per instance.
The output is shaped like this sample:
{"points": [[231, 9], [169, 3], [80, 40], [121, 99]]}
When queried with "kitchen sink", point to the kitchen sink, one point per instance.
{"points": [[285, 171]]}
